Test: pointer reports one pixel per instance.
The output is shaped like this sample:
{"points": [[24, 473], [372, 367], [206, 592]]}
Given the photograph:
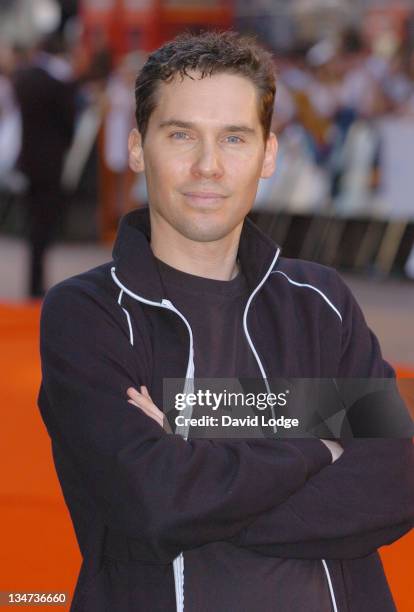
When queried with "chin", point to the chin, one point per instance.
{"points": [[205, 230]]}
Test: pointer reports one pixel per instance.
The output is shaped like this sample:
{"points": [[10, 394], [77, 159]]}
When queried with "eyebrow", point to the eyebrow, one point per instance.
{"points": [[190, 125]]}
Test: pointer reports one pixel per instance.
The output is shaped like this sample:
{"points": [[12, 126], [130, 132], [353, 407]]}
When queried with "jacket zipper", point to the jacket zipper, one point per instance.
{"points": [[178, 563]]}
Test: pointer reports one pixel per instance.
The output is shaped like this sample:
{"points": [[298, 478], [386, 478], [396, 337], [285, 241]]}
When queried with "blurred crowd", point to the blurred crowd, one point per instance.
{"points": [[341, 107], [335, 103], [55, 100]]}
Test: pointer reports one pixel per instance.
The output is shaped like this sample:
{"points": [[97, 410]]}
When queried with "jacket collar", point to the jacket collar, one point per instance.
{"points": [[136, 265]]}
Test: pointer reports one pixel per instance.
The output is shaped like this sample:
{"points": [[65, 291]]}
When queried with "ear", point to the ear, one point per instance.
{"points": [[269, 161], [136, 153]]}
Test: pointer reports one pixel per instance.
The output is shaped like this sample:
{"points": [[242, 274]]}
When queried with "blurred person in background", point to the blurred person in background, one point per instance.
{"points": [[398, 84], [360, 89], [119, 121], [359, 99], [408, 107], [10, 129], [321, 97], [45, 92]]}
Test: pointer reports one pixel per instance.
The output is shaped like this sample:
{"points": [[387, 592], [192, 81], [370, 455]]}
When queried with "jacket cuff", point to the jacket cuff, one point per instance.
{"points": [[316, 454]]}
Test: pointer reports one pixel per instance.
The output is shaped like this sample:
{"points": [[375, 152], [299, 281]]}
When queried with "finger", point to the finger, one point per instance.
{"points": [[143, 409], [158, 418], [145, 392], [133, 393], [142, 400], [139, 398], [146, 404]]}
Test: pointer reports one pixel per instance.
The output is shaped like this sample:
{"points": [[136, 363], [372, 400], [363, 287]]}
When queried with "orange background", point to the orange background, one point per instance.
{"points": [[38, 550]]}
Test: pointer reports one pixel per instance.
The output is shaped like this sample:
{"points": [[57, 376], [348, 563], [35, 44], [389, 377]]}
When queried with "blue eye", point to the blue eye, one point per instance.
{"points": [[237, 139], [174, 134]]}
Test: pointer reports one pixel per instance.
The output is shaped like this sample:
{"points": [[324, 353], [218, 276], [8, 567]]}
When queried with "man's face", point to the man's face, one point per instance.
{"points": [[203, 154]]}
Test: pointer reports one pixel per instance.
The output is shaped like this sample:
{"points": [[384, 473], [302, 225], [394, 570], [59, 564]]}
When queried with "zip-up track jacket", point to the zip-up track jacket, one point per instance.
{"points": [[139, 497]]}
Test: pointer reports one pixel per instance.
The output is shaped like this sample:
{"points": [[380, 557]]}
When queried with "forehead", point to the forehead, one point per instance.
{"points": [[219, 99]]}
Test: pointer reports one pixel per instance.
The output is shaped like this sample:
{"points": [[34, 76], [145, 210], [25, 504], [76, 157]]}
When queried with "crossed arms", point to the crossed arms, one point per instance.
{"points": [[350, 523], [282, 498]]}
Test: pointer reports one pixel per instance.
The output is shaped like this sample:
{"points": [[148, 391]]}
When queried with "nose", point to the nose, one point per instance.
{"points": [[207, 162]]}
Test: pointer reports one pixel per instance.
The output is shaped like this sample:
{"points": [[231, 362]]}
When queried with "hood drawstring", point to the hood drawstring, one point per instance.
{"points": [[131, 333]]}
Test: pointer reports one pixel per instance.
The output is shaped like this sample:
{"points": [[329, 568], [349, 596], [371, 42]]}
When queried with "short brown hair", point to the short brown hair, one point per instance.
{"points": [[209, 52]]}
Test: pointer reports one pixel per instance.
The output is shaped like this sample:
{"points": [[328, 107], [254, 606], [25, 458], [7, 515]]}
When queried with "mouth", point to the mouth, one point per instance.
{"points": [[204, 198]]}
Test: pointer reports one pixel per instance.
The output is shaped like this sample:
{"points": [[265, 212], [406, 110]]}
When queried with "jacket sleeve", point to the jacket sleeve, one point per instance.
{"points": [[167, 493], [362, 501]]}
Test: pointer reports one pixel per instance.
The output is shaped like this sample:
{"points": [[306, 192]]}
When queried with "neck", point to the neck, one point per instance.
{"points": [[216, 260]]}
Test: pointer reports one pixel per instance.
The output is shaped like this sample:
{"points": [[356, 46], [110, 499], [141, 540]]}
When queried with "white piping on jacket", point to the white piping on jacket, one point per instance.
{"points": [[327, 300], [178, 563], [168, 306], [246, 331], [131, 334], [331, 591]]}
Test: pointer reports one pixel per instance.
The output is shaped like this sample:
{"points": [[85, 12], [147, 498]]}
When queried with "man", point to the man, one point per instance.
{"points": [[45, 92], [195, 289]]}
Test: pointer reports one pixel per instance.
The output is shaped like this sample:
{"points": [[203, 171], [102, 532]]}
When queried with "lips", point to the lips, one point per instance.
{"points": [[204, 200], [204, 195]]}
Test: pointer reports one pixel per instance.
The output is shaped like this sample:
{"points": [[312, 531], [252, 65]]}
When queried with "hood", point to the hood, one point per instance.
{"points": [[136, 265]]}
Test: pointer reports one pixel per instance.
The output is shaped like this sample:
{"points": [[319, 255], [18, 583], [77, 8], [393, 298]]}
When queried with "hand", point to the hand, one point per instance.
{"points": [[335, 448], [142, 399]]}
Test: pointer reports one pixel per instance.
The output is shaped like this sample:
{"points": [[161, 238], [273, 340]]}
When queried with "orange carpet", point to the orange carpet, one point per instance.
{"points": [[38, 549]]}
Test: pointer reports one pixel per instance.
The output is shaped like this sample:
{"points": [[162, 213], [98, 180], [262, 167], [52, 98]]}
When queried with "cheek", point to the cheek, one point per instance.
{"points": [[245, 169], [169, 171], [246, 161]]}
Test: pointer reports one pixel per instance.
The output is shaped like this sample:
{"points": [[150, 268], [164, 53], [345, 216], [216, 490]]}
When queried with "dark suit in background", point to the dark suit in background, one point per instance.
{"points": [[47, 102]]}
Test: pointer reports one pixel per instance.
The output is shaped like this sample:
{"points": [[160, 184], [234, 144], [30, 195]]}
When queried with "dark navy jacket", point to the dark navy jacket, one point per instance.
{"points": [[138, 496]]}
